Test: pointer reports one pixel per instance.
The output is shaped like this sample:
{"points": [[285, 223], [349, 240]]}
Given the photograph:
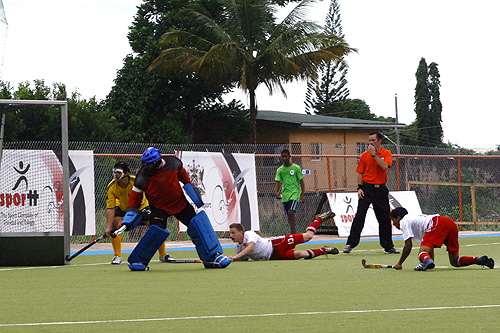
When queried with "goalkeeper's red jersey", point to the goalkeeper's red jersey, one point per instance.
{"points": [[162, 189]]}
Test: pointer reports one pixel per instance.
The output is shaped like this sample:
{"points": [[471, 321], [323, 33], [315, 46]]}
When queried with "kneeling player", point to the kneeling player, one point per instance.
{"points": [[249, 245], [431, 231]]}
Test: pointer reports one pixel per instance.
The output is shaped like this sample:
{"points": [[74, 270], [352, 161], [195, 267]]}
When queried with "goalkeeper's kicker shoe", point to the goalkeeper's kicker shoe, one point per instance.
{"points": [[220, 261], [425, 265], [325, 216], [331, 250], [116, 260], [485, 261]]}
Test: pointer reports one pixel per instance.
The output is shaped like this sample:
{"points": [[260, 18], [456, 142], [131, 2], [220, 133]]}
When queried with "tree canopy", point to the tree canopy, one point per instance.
{"points": [[163, 107], [244, 46], [87, 120]]}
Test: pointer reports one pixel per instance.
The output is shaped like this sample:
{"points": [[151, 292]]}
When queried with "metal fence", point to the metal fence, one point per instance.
{"points": [[331, 170]]}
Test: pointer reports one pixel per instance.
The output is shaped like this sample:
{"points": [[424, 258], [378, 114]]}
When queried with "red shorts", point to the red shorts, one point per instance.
{"points": [[283, 246], [443, 231]]}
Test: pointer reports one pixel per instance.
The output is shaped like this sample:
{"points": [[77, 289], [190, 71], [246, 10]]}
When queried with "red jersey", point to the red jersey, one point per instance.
{"points": [[162, 188]]}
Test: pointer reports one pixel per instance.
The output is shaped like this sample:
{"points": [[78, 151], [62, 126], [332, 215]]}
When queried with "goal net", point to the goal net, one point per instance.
{"points": [[34, 197]]}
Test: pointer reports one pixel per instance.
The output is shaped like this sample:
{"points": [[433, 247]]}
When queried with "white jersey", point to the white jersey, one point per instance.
{"points": [[263, 247], [415, 226]]}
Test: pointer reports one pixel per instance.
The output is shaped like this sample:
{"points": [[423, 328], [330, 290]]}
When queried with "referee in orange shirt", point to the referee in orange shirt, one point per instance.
{"points": [[372, 176]]}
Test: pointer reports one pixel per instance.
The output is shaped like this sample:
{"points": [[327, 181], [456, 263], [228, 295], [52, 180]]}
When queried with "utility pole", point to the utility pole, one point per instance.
{"points": [[397, 122]]}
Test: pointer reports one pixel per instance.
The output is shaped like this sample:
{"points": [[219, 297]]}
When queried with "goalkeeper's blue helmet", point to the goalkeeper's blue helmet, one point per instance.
{"points": [[151, 155]]}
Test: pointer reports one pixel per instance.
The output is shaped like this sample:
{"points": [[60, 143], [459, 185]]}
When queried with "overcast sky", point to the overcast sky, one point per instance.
{"points": [[82, 43]]}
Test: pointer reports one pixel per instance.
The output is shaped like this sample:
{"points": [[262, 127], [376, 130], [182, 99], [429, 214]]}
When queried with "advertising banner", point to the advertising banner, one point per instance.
{"points": [[31, 192], [344, 205], [228, 187]]}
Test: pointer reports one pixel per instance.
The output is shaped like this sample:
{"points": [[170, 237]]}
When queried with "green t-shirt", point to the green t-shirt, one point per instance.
{"points": [[290, 182]]}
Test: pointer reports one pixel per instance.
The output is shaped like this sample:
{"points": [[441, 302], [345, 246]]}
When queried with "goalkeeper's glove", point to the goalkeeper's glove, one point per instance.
{"points": [[130, 219]]}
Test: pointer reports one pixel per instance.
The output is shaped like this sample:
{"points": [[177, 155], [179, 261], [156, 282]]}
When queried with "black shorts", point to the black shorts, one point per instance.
{"points": [[119, 212]]}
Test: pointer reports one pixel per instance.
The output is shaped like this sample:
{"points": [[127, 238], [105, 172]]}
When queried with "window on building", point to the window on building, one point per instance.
{"points": [[361, 147], [316, 150]]}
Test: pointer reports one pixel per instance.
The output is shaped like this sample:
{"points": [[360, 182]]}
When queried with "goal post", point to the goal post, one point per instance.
{"points": [[38, 248]]}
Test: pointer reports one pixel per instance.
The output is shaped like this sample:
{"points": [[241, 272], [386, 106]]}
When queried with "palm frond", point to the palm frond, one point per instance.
{"points": [[297, 14]]}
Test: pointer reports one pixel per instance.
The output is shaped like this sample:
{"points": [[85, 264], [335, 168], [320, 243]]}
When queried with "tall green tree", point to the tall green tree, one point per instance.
{"points": [[245, 47], [427, 105], [328, 96], [436, 107]]}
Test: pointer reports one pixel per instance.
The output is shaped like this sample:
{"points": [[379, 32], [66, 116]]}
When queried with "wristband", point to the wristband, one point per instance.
{"points": [[374, 155], [360, 187]]}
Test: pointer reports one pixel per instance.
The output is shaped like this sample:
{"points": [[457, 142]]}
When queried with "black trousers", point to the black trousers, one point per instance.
{"points": [[379, 198]]}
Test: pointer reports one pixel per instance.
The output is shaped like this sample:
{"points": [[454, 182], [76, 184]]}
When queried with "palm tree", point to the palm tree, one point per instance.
{"points": [[244, 46]]}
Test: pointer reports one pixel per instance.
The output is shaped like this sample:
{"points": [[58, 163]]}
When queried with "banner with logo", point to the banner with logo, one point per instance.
{"points": [[31, 192], [228, 187], [344, 205]]}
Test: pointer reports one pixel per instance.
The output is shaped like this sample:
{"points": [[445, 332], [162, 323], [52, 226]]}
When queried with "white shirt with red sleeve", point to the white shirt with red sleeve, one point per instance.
{"points": [[262, 249], [415, 226]]}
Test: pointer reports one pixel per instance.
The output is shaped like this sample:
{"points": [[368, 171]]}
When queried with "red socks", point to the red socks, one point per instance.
{"points": [[314, 225], [422, 256], [466, 261], [316, 252]]}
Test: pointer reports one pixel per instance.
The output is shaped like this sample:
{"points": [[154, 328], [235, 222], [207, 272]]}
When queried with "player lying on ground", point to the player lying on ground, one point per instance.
{"points": [[431, 231], [249, 245]]}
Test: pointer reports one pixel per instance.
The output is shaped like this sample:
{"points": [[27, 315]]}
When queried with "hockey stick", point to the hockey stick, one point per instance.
{"points": [[365, 265], [182, 261], [113, 234], [69, 258]]}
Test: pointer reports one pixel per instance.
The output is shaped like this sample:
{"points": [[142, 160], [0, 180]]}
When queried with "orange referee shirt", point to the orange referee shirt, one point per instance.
{"points": [[373, 173]]}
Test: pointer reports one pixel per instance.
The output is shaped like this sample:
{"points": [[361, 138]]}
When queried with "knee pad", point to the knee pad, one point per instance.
{"points": [[146, 248], [207, 244]]}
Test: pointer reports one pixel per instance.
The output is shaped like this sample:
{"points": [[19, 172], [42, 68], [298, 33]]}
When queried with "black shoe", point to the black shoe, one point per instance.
{"points": [[392, 251], [485, 261], [325, 216], [348, 248], [331, 250], [425, 265]]}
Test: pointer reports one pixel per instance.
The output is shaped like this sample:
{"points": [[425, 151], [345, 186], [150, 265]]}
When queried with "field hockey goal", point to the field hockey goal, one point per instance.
{"points": [[34, 197]]}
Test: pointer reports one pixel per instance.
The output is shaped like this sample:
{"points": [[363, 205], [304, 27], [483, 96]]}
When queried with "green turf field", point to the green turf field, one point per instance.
{"points": [[334, 294]]}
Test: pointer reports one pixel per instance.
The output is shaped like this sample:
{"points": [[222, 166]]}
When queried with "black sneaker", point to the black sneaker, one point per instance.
{"points": [[325, 216], [485, 261], [392, 251], [425, 265], [348, 248], [331, 250], [166, 258]]}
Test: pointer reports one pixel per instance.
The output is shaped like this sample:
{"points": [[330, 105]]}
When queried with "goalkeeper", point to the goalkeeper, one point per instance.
{"points": [[118, 197], [249, 245], [158, 179]]}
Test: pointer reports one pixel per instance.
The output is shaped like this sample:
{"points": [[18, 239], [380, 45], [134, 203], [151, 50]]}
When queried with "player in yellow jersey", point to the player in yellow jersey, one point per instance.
{"points": [[118, 195]]}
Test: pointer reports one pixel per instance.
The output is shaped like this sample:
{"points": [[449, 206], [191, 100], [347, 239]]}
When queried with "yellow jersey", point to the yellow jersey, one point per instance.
{"points": [[118, 196]]}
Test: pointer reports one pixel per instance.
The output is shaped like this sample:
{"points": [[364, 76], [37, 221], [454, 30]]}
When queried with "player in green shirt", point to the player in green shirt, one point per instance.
{"points": [[289, 179]]}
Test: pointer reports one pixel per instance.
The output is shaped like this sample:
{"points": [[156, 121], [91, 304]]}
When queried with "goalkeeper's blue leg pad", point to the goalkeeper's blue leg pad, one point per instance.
{"points": [[207, 244], [146, 248]]}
